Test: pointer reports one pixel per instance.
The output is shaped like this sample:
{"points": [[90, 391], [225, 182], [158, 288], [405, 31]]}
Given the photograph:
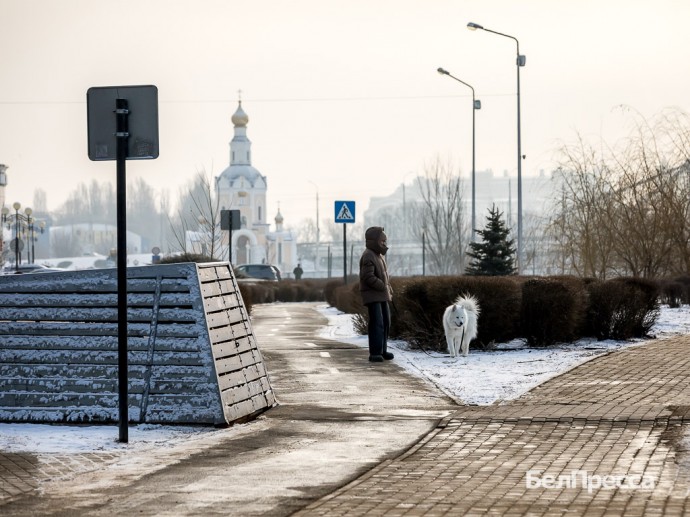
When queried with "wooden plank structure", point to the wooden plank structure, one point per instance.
{"points": [[193, 357]]}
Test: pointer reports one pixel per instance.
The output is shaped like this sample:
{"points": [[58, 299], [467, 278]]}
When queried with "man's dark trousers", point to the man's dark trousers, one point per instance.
{"points": [[379, 325]]}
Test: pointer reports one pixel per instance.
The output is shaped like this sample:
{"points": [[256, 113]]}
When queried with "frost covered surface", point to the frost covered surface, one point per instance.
{"points": [[59, 351], [483, 378], [67, 439]]}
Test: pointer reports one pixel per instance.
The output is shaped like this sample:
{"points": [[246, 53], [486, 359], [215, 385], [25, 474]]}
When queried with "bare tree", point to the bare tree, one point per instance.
{"points": [[306, 231], [40, 205], [440, 217], [626, 209], [196, 227], [142, 212], [92, 203], [581, 244]]}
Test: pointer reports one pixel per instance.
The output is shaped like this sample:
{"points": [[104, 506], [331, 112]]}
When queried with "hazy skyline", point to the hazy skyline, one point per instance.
{"points": [[342, 97]]}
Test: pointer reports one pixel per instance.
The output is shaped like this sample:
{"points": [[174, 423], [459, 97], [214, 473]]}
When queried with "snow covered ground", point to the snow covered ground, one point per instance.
{"points": [[481, 378], [507, 372]]}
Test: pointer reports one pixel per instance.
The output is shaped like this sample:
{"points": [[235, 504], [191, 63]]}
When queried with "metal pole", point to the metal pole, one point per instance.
{"points": [[519, 62], [122, 113], [318, 234], [345, 253], [424, 253], [318, 231], [475, 107], [16, 240], [474, 193], [31, 236], [519, 169]]}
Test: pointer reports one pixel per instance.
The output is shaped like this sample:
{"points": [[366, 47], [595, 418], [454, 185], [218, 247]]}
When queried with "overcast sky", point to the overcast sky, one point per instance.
{"points": [[342, 96]]}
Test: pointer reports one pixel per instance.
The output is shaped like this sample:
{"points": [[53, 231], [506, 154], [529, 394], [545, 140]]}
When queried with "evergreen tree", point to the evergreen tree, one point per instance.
{"points": [[495, 255]]}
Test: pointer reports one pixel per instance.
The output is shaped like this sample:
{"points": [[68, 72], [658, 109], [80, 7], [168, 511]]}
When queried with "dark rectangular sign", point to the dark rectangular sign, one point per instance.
{"points": [[230, 220], [142, 119]]}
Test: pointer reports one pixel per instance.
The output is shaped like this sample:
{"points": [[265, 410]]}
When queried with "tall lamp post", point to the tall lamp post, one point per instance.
{"points": [[476, 104], [19, 220], [29, 232], [520, 61], [318, 232], [32, 236], [424, 250]]}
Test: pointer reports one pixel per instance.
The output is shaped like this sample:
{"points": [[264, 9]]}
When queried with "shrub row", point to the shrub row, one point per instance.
{"points": [[312, 290], [675, 291], [542, 310], [263, 291]]}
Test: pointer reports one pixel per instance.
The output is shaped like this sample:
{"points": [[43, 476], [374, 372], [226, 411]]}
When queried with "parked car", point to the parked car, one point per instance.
{"points": [[29, 268], [259, 271]]}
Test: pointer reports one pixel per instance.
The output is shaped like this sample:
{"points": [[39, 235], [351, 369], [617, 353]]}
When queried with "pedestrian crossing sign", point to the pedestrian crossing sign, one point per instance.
{"points": [[344, 211]]}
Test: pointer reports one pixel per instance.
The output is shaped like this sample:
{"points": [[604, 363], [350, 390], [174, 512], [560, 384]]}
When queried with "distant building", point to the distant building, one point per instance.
{"points": [[242, 187], [396, 213]]}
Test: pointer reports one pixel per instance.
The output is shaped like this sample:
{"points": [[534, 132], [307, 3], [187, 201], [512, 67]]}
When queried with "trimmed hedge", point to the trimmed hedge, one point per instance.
{"points": [[553, 310], [543, 310], [622, 308], [675, 291], [419, 303], [312, 290]]}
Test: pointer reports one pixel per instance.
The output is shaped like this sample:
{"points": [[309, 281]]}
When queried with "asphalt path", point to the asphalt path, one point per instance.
{"points": [[338, 417]]}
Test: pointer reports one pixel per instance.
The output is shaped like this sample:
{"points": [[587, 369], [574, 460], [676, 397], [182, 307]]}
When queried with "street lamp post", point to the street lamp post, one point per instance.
{"points": [[316, 255], [30, 234], [476, 104], [17, 255], [520, 61], [424, 250], [19, 220]]}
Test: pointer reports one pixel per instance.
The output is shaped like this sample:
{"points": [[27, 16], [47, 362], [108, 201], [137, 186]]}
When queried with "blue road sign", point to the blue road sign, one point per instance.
{"points": [[344, 211]]}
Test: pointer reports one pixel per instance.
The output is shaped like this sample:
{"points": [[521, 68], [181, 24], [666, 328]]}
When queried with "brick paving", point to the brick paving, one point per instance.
{"points": [[21, 473], [606, 438]]}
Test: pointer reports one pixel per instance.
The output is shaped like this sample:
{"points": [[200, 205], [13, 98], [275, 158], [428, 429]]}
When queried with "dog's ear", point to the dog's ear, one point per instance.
{"points": [[455, 308]]}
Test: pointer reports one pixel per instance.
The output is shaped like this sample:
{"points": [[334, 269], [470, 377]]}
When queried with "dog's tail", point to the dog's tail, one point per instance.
{"points": [[469, 303]]}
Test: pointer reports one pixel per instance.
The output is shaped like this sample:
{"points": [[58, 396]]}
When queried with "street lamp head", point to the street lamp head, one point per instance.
{"points": [[442, 71], [474, 26], [28, 211], [17, 205]]}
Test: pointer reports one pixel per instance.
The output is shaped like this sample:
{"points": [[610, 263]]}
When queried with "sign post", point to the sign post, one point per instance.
{"points": [[132, 134], [345, 213], [229, 221]]}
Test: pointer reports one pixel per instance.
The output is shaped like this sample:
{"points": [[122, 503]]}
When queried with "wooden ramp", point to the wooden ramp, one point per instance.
{"points": [[193, 357]]}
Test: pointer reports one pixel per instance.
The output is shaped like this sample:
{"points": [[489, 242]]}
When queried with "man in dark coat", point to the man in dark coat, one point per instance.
{"points": [[375, 288]]}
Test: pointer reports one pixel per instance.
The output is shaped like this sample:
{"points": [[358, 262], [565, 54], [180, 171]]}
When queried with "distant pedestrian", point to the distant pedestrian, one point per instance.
{"points": [[375, 288], [298, 271]]}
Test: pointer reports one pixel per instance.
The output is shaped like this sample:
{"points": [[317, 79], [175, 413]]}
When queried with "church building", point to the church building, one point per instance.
{"points": [[242, 187]]}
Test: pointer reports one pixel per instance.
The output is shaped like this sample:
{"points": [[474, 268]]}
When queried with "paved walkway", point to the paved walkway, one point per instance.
{"points": [[607, 438], [338, 417]]}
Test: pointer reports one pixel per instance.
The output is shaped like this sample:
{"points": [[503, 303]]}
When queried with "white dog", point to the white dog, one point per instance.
{"points": [[460, 324]]}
